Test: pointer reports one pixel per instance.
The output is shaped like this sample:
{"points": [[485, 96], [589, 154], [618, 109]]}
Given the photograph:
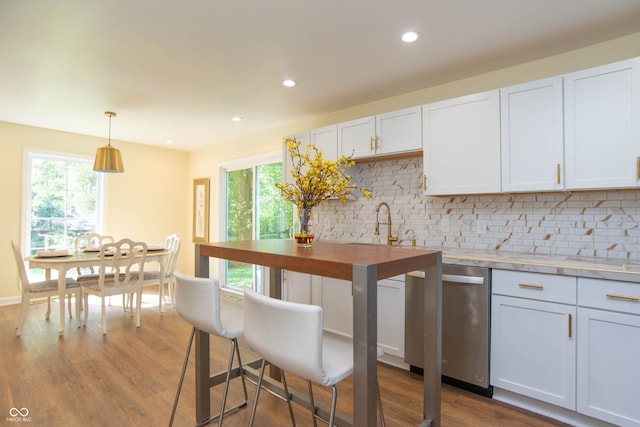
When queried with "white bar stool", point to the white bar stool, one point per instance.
{"points": [[198, 302], [291, 336]]}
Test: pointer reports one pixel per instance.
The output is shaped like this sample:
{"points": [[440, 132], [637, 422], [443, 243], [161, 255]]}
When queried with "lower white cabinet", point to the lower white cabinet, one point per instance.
{"points": [[297, 287], [337, 304], [572, 342], [609, 351], [533, 343], [533, 349]]}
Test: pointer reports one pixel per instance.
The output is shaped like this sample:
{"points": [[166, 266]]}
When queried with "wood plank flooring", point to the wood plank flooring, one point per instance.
{"points": [[129, 377]]}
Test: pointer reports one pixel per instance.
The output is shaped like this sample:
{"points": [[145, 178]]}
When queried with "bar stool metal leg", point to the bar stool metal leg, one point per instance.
{"points": [[234, 351], [312, 404]]}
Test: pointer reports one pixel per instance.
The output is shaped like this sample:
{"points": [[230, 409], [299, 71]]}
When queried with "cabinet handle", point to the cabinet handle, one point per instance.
{"points": [[370, 143], [425, 181], [529, 286], [623, 297], [570, 325], [558, 173], [377, 142], [638, 167]]}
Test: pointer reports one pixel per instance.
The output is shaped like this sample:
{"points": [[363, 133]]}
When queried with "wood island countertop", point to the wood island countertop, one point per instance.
{"points": [[324, 258]]}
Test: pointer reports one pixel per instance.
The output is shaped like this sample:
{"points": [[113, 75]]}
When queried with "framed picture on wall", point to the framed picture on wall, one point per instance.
{"points": [[201, 210]]}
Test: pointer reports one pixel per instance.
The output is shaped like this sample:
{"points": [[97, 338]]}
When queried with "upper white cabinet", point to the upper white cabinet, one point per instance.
{"points": [[303, 139], [532, 136], [326, 139], [389, 133], [461, 145], [602, 126]]}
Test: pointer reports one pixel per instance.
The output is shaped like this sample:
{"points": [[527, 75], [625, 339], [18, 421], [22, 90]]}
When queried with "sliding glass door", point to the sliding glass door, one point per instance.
{"points": [[254, 210]]}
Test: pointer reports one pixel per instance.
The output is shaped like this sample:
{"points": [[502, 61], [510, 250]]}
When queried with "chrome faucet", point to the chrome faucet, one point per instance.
{"points": [[390, 238]]}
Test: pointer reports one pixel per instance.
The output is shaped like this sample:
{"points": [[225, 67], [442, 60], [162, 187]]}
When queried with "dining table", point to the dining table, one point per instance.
{"points": [[362, 265], [63, 262]]}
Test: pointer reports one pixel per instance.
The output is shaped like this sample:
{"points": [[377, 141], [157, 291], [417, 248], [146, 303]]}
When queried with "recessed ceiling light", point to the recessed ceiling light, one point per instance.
{"points": [[236, 118], [289, 83], [409, 37], [169, 141]]}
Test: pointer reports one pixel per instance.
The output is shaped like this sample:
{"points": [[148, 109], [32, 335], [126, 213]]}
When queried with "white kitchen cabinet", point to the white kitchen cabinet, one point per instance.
{"points": [[602, 126], [303, 138], [609, 351], [326, 140], [389, 133], [337, 304], [297, 287], [532, 136], [461, 145], [391, 316], [533, 343], [355, 137]]}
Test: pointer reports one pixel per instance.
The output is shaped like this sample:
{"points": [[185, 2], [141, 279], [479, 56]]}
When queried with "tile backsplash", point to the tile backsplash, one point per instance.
{"points": [[601, 224]]}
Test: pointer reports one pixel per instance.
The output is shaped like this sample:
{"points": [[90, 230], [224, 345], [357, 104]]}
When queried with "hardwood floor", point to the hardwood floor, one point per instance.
{"points": [[129, 377]]}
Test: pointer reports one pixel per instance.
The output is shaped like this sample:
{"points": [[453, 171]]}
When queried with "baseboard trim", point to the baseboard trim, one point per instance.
{"points": [[9, 300]]}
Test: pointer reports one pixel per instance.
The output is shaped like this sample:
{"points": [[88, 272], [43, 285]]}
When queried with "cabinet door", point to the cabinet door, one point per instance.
{"points": [[602, 126], [356, 137], [533, 349], [608, 374], [326, 139], [337, 306], [297, 287], [303, 139], [391, 316], [532, 136], [399, 131], [461, 142]]}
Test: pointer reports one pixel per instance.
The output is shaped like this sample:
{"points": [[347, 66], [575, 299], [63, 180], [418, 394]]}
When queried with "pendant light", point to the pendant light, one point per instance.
{"points": [[108, 158]]}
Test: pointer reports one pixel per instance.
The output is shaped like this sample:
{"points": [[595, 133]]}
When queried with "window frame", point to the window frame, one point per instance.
{"points": [[32, 153], [239, 164]]}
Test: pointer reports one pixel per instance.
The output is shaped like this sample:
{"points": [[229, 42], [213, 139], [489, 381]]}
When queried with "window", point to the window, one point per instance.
{"points": [[63, 199], [254, 209]]}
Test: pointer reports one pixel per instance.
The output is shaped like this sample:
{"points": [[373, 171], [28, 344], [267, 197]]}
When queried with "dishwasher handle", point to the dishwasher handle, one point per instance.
{"points": [[466, 280], [453, 278]]}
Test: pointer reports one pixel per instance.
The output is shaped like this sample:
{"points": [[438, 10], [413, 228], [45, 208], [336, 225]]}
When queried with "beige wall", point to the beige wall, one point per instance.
{"points": [[147, 202], [154, 196]]}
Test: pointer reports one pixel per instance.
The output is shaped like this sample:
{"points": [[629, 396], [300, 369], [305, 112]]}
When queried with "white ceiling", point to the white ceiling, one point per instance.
{"points": [[180, 70]]}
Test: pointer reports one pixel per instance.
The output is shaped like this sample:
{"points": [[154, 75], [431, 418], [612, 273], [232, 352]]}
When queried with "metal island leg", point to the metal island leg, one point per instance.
{"points": [[432, 343], [365, 342]]}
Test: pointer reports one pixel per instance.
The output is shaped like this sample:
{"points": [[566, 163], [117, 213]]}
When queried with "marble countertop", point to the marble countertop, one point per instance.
{"points": [[584, 266], [599, 268]]}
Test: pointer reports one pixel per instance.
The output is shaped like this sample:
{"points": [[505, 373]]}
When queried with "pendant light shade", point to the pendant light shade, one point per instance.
{"points": [[108, 158]]}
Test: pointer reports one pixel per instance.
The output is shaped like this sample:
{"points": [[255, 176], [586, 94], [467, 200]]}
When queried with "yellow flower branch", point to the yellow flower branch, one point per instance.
{"points": [[316, 179]]}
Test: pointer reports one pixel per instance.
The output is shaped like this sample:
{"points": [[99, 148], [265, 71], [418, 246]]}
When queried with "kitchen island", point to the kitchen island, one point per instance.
{"points": [[363, 266]]}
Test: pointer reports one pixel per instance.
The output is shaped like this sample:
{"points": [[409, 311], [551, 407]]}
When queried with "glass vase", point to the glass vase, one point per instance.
{"points": [[304, 236]]}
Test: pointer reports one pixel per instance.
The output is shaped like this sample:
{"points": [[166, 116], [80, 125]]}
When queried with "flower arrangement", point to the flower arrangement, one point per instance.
{"points": [[316, 179]]}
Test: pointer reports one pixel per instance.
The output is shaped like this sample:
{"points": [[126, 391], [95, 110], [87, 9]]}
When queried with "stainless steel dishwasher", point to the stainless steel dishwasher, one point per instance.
{"points": [[466, 298]]}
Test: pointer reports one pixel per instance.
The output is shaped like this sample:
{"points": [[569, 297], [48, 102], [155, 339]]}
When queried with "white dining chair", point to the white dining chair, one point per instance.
{"points": [[44, 289], [125, 257], [290, 336], [89, 242], [152, 276], [198, 302]]}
